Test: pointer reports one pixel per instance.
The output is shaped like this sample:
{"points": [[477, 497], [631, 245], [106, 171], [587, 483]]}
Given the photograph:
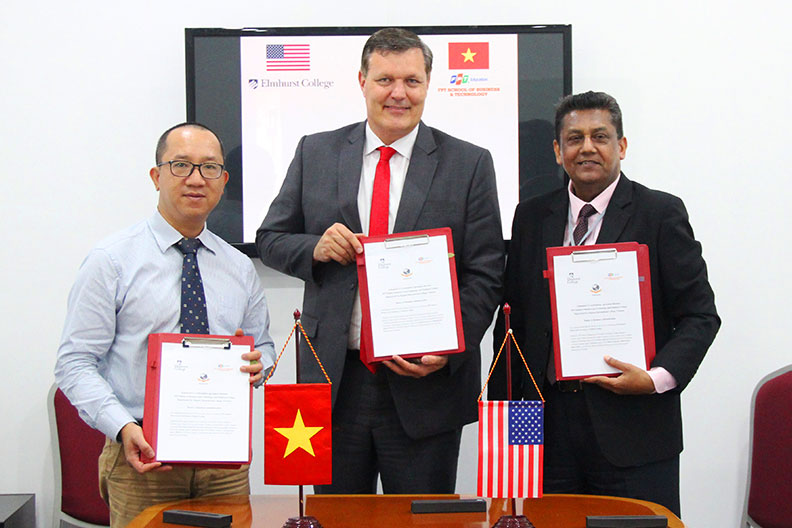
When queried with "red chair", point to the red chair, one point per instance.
{"points": [[768, 502], [77, 448]]}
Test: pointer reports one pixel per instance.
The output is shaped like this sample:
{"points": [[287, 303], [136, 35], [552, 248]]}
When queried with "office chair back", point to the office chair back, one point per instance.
{"points": [[77, 448], [769, 496]]}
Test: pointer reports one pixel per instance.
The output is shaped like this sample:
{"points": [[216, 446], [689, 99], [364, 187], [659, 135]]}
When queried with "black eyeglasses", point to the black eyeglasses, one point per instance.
{"points": [[183, 169]]}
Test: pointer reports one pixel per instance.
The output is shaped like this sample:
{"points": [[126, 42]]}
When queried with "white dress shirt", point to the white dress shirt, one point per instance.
{"points": [[399, 163]]}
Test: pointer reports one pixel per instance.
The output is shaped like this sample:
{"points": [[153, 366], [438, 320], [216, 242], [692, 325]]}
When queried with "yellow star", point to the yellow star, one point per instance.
{"points": [[468, 55], [299, 436]]}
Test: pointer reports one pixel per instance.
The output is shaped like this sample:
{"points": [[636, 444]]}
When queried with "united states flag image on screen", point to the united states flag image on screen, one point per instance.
{"points": [[511, 449], [288, 57]]}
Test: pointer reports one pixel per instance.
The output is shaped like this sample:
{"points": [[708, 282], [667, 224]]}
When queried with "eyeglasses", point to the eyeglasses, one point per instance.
{"points": [[183, 169]]}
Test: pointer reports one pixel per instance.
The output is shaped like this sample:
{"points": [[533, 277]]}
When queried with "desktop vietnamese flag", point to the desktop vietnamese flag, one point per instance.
{"points": [[468, 55], [297, 434]]}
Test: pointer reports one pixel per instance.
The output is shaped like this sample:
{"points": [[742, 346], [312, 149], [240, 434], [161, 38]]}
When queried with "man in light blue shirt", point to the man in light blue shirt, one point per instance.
{"points": [[128, 287]]}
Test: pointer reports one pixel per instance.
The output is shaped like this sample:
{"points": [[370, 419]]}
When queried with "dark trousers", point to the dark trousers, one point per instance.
{"points": [[369, 441], [574, 463]]}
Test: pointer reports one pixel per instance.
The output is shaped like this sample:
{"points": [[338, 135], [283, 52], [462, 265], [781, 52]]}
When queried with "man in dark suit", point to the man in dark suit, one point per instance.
{"points": [[608, 435], [403, 422]]}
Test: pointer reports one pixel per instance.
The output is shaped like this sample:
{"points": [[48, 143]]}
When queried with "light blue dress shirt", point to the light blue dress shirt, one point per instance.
{"points": [[128, 287]]}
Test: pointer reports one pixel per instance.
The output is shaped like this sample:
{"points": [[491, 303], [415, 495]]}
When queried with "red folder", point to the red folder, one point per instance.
{"points": [[152, 399], [365, 330], [644, 288]]}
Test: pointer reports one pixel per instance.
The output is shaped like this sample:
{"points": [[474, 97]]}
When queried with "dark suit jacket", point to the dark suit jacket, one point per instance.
{"points": [[632, 430], [449, 183]]}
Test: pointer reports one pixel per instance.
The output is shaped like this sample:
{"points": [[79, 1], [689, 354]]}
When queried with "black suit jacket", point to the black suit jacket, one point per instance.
{"points": [[632, 430], [449, 183]]}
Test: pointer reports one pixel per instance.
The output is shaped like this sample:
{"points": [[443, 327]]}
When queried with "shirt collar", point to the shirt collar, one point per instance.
{"points": [[166, 236], [403, 145], [600, 202]]}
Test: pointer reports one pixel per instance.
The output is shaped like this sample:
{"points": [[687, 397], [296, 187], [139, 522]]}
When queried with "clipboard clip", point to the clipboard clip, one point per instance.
{"points": [[207, 342], [400, 242], [593, 255]]}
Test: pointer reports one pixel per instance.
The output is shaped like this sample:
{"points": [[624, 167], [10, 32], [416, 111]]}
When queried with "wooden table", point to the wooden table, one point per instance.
{"points": [[393, 511]]}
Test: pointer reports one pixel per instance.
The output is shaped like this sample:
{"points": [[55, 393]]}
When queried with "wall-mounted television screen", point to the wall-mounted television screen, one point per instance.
{"points": [[262, 89]]}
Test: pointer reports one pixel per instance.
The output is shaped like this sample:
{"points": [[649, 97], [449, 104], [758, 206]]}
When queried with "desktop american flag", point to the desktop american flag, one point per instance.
{"points": [[288, 57], [511, 449]]}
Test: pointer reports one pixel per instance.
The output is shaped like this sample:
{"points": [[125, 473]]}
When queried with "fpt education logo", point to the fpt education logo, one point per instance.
{"points": [[460, 78]]}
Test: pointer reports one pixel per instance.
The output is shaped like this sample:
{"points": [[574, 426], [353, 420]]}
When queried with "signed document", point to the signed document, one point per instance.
{"points": [[599, 310], [409, 295], [202, 409]]}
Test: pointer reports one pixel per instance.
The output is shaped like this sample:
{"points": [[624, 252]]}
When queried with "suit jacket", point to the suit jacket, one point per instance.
{"points": [[449, 183], [631, 430]]}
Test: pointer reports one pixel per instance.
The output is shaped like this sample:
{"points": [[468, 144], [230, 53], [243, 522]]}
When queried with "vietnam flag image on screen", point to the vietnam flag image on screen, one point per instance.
{"points": [[468, 55], [297, 434]]}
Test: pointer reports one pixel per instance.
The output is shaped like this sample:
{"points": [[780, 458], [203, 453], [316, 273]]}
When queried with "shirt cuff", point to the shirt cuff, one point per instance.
{"points": [[662, 379], [113, 420]]}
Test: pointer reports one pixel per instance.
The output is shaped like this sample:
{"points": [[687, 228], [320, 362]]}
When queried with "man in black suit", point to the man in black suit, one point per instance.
{"points": [[403, 422], [608, 435]]}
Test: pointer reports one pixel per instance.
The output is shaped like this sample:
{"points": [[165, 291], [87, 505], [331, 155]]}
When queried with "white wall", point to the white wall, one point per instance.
{"points": [[86, 88]]}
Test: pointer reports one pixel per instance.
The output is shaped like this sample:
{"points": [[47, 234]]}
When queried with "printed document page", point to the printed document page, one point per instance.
{"points": [[204, 404], [410, 296], [598, 305]]}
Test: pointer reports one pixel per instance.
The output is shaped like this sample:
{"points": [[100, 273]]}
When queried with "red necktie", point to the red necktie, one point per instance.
{"points": [[378, 220], [380, 196]]}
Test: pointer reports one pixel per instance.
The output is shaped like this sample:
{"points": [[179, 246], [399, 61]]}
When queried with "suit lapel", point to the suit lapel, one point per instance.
{"points": [[418, 180], [555, 222], [618, 212], [350, 166]]}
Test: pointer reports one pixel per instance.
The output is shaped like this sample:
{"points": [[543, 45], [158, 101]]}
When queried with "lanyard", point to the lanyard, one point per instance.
{"points": [[571, 227]]}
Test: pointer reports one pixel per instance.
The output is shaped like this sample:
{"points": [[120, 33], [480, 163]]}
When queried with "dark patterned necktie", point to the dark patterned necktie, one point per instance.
{"points": [[582, 224], [193, 319]]}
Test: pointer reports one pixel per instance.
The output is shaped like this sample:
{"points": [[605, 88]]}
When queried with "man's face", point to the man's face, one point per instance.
{"points": [[186, 202], [395, 90], [589, 151]]}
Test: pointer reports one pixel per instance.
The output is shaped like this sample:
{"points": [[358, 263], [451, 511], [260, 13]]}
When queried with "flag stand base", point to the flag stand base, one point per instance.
{"points": [[513, 521], [302, 522]]}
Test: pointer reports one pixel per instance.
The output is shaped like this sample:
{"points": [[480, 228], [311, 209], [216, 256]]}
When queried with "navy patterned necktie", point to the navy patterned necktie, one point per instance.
{"points": [[581, 229], [193, 319]]}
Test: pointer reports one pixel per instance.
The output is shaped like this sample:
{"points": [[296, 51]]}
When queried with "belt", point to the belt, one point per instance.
{"points": [[569, 386]]}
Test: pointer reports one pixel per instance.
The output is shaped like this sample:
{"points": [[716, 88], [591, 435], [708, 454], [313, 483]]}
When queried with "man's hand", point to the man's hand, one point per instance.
{"points": [[426, 366], [134, 444], [338, 243], [632, 380], [255, 368]]}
